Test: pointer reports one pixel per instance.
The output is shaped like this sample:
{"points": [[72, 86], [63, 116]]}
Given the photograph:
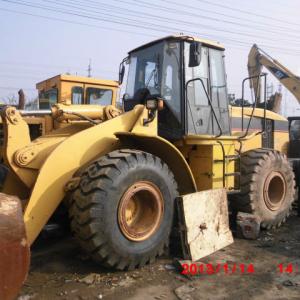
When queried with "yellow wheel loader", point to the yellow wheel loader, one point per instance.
{"points": [[67, 90], [120, 178]]}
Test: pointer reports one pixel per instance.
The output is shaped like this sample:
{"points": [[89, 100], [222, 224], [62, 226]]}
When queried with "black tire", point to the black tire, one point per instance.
{"points": [[3, 174], [267, 187], [95, 206]]}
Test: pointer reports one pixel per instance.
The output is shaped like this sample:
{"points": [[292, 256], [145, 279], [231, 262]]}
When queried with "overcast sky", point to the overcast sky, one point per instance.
{"points": [[42, 38]]}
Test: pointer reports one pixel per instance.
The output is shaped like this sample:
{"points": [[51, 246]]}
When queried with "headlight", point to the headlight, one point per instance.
{"points": [[151, 104], [154, 104]]}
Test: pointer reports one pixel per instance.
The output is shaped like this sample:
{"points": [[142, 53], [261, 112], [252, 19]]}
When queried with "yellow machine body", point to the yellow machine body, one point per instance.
{"points": [[42, 168], [68, 90], [71, 89], [46, 165], [42, 171], [205, 153]]}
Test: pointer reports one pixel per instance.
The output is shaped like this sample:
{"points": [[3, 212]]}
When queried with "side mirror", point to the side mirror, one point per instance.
{"points": [[195, 54], [121, 73]]}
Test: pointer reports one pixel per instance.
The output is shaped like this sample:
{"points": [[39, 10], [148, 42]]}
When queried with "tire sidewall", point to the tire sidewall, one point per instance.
{"points": [[273, 162], [117, 241]]}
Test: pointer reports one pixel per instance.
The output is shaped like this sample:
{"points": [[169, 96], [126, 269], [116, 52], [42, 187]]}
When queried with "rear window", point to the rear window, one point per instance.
{"points": [[98, 96]]}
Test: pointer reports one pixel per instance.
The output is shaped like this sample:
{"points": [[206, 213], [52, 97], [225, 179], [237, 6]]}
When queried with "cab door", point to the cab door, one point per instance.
{"points": [[198, 110], [218, 91], [206, 94]]}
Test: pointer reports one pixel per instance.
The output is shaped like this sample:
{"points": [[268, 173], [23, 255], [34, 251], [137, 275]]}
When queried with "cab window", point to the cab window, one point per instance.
{"points": [[48, 98], [77, 95], [170, 88], [98, 96], [198, 89], [295, 130], [218, 80]]}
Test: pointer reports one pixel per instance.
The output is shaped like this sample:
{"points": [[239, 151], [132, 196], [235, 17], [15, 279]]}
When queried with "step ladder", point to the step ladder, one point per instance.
{"points": [[237, 174]]}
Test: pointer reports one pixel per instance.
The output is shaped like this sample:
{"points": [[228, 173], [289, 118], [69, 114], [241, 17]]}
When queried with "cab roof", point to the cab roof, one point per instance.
{"points": [[78, 79], [209, 43]]}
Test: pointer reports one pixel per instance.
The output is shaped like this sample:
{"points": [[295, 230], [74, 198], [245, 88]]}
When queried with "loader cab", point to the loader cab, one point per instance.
{"points": [[189, 75], [76, 90]]}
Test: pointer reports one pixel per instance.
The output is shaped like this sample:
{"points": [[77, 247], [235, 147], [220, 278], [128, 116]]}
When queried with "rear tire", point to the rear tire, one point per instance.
{"points": [[122, 210], [267, 187]]}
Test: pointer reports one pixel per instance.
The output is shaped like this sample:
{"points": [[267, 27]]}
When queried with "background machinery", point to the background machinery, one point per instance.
{"points": [[66, 92], [258, 59], [120, 178]]}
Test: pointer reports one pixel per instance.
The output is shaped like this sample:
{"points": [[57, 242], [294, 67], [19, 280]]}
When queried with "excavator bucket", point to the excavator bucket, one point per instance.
{"points": [[14, 249]]}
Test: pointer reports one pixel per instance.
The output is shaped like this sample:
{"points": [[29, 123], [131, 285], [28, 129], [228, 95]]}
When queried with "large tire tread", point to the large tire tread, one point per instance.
{"points": [[252, 163], [86, 210]]}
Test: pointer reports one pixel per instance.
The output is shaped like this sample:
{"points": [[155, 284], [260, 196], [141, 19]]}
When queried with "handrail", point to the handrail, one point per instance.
{"points": [[255, 103], [209, 100], [224, 162]]}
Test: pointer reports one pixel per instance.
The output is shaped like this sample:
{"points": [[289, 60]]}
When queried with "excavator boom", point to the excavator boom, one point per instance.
{"points": [[257, 59]]}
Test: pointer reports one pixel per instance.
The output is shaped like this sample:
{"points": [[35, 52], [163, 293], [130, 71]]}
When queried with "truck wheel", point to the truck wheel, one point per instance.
{"points": [[267, 187], [122, 210]]}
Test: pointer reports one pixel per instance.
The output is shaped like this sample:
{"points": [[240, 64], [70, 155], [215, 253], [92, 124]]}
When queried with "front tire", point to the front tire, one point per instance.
{"points": [[122, 211], [267, 187]]}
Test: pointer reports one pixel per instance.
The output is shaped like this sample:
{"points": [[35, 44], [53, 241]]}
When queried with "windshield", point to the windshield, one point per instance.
{"points": [[145, 70], [156, 68]]}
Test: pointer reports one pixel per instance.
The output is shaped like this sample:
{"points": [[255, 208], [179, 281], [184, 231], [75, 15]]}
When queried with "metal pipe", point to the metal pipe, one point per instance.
{"points": [[21, 103], [41, 112]]}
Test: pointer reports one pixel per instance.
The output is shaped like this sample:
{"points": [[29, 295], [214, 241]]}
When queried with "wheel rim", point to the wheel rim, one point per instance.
{"points": [[140, 211], [274, 190]]}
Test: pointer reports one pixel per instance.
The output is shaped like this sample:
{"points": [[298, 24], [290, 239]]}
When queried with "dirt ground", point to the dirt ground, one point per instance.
{"points": [[59, 270]]}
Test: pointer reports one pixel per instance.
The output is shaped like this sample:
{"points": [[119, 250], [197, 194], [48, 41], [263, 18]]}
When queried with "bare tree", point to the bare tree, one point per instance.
{"points": [[11, 99], [32, 104]]}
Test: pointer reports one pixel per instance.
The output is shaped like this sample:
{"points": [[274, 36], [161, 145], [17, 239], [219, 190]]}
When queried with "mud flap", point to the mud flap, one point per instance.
{"points": [[204, 223], [14, 249]]}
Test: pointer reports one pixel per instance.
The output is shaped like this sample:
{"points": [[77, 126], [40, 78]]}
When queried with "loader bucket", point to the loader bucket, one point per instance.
{"points": [[14, 249], [203, 217]]}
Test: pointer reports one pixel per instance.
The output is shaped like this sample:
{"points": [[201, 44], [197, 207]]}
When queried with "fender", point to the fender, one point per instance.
{"points": [[167, 152], [66, 159]]}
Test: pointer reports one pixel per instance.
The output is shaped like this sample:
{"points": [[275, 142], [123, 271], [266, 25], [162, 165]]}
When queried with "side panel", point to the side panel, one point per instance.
{"points": [[209, 166], [279, 126]]}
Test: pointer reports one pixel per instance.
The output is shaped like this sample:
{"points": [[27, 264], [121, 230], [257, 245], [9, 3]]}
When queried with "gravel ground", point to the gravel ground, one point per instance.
{"points": [[59, 270]]}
